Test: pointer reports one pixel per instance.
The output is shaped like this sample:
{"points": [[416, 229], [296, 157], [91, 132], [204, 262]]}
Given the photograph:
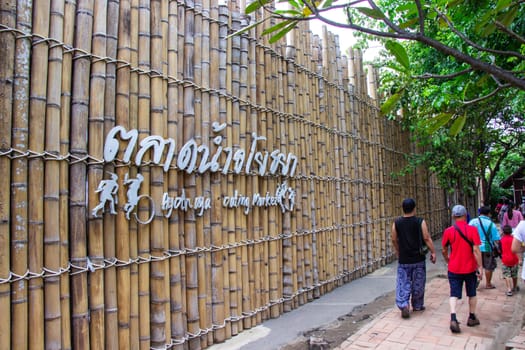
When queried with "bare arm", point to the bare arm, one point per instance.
{"points": [[516, 247], [428, 241], [394, 239], [477, 255]]}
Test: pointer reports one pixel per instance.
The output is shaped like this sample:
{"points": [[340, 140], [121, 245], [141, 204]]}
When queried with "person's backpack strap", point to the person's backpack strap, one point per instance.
{"points": [[485, 233], [464, 237]]}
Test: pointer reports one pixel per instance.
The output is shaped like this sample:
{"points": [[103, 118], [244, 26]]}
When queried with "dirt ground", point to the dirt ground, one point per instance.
{"points": [[332, 335]]}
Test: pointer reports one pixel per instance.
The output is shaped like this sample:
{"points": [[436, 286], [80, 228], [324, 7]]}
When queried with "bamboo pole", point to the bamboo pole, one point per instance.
{"points": [[252, 184], [143, 122], [247, 228], [190, 234], [122, 113], [201, 135], [223, 118], [207, 118], [111, 339], [39, 308], [208, 136], [218, 257], [7, 121], [134, 315], [95, 175], [77, 229], [260, 123], [160, 322], [53, 312], [65, 118], [235, 182]]}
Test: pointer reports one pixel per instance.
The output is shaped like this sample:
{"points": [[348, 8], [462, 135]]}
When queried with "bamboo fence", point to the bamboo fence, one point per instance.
{"points": [[84, 268]]}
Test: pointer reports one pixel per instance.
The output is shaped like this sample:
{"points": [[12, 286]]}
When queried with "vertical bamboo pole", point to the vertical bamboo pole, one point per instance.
{"points": [[110, 274], [261, 124], [190, 234], [65, 118], [163, 125], [134, 315], [143, 122], [160, 328], [181, 21], [53, 312], [7, 122], [346, 147], [95, 175], [223, 118], [174, 125], [252, 182], [355, 200], [298, 86], [201, 136], [122, 113], [19, 174], [287, 78], [77, 180], [38, 323], [248, 295], [207, 118], [218, 256], [234, 216]]}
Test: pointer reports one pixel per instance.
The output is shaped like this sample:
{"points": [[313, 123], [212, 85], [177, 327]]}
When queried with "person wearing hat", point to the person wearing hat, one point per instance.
{"points": [[409, 234], [461, 252]]}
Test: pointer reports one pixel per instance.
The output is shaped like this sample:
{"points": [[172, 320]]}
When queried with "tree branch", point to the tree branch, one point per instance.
{"points": [[489, 95], [421, 17], [473, 44], [445, 76], [509, 32]]}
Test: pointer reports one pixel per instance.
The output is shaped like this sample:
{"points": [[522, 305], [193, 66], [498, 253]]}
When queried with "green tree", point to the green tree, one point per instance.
{"points": [[484, 37]]}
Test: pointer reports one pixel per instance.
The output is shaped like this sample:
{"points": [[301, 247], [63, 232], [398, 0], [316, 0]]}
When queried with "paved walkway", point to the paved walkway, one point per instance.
{"points": [[500, 316]]}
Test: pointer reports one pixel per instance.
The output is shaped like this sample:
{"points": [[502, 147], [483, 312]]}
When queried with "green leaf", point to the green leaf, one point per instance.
{"points": [[288, 13], [458, 124], [399, 52], [409, 23], [438, 121], [502, 4], [245, 29], [508, 17], [327, 4], [391, 103], [372, 13], [282, 33], [276, 27], [257, 4], [295, 4]]}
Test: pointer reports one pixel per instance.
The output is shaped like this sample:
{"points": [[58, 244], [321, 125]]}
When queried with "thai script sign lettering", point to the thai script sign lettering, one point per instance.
{"points": [[192, 158]]}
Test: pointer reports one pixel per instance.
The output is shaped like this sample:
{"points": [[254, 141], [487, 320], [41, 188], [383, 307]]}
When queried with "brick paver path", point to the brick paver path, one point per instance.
{"points": [[430, 329]]}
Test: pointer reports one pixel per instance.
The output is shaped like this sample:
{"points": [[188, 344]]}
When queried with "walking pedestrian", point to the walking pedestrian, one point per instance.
{"points": [[409, 236], [512, 217], [510, 261], [489, 236], [518, 243], [461, 252]]}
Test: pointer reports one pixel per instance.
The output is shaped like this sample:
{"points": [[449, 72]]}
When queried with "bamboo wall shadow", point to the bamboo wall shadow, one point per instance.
{"points": [[272, 184]]}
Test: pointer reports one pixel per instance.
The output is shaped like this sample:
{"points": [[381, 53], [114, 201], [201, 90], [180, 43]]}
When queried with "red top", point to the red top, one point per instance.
{"points": [[508, 258], [461, 257]]}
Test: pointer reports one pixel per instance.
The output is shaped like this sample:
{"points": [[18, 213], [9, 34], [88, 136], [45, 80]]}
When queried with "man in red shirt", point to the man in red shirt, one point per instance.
{"points": [[461, 252]]}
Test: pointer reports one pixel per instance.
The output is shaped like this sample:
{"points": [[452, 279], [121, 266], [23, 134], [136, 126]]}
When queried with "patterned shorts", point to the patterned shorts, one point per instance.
{"points": [[510, 271]]}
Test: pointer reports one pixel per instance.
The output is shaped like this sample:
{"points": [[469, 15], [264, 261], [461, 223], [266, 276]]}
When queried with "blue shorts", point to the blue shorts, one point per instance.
{"points": [[455, 280]]}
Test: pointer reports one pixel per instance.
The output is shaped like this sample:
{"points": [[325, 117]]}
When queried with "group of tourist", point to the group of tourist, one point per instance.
{"points": [[469, 248]]}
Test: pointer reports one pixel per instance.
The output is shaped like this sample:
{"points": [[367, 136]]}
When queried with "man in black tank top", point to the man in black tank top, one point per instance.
{"points": [[409, 235]]}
